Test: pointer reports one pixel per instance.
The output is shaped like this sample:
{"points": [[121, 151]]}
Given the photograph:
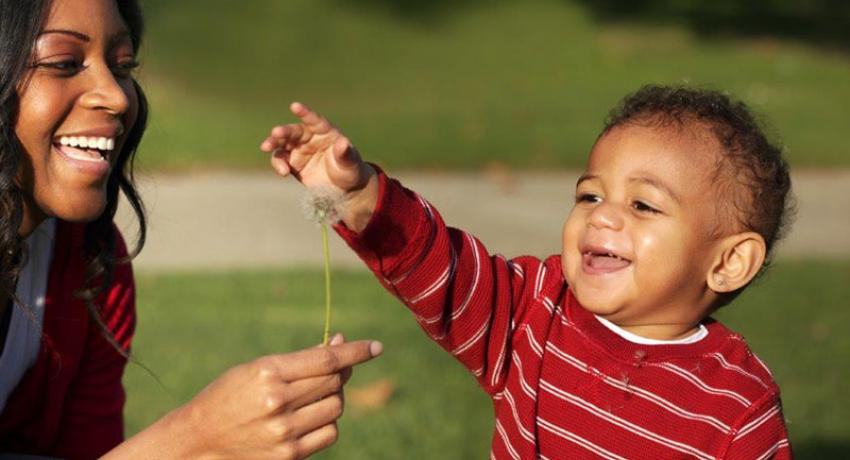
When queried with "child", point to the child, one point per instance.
{"points": [[607, 350]]}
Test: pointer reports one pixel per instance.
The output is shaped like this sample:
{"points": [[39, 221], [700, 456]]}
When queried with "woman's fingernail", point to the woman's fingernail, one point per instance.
{"points": [[375, 348], [336, 339]]}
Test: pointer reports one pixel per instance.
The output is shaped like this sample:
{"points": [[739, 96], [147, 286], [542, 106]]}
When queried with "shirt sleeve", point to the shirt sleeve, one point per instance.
{"points": [[465, 299], [92, 419], [761, 435]]}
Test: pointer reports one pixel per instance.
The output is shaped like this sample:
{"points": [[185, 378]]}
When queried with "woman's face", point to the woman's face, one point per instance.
{"points": [[77, 105]]}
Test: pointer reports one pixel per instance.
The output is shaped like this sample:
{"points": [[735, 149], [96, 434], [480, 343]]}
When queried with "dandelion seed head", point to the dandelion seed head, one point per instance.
{"points": [[323, 206]]}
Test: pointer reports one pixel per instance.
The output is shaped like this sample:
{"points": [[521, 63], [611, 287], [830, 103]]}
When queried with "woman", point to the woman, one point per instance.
{"points": [[71, 117]]}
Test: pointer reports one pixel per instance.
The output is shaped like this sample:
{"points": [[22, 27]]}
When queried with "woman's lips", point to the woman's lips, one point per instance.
{"points": [[599, 263], [88, 160]]}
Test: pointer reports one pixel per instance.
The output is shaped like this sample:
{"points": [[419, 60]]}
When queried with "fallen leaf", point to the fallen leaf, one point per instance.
{"points": [[372, 396]]}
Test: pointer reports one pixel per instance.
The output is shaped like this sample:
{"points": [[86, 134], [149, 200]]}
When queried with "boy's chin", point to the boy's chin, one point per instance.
{"points": [[599, 303]]}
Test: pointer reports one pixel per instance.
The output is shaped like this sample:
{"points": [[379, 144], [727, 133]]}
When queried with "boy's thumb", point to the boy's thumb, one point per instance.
{"points": [[345, 153]]}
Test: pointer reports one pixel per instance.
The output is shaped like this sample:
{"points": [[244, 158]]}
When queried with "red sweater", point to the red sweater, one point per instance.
{"points": [[564, 385], [69, 404]]}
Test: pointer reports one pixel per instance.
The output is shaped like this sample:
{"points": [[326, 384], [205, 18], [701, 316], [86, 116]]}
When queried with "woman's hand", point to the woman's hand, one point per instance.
{"points": [[322, 158], [279, 406]]}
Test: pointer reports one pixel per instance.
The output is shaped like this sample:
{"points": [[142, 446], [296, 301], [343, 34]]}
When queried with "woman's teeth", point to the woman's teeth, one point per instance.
{"points": [[99, 143]]}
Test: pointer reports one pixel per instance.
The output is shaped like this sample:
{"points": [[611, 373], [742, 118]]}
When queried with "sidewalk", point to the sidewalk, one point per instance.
{"points": [[220, 221]]}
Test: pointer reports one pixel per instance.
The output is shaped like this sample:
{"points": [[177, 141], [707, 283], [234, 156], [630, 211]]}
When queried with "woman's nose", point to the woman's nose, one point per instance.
{"points": [[606, 215], [105, 92]]}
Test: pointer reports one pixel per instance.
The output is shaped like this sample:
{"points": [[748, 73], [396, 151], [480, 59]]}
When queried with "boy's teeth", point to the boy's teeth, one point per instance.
{"points": [[606, 254]]}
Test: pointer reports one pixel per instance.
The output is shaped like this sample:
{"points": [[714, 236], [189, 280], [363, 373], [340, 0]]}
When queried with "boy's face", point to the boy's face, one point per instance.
{"points": [[638, 244]]}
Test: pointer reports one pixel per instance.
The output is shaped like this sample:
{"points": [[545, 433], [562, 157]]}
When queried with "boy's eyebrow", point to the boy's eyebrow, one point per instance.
{"points": [[584, 177], [651, 181]]}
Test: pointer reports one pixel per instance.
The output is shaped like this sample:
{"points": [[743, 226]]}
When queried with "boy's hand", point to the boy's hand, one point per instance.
{"points": [[317, 154]]}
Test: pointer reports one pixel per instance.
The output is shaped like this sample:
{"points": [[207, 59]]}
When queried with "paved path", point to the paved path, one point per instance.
{"points": [[216, 221]]}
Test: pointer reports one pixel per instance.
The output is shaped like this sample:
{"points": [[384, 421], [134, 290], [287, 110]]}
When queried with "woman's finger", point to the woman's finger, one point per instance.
{"points": [[315, 415], [346, 374], [316, 362], [314, 441], [306, 391], [338, 339]]}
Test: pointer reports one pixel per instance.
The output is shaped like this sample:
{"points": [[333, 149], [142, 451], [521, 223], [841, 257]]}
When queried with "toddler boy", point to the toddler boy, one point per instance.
{"points": [[607, 350]]}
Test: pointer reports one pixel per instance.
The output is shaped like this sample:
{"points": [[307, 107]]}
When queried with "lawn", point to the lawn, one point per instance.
{"points": [[467, 85], [193, 326]]}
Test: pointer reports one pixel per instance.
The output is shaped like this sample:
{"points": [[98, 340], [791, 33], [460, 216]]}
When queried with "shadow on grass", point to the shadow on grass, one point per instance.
{"points": [[430, 13], [822, 449], [820, 22]]}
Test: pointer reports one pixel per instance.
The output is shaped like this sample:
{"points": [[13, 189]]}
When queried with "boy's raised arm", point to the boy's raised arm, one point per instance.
{"points": [[322, 158], [465, 299]]}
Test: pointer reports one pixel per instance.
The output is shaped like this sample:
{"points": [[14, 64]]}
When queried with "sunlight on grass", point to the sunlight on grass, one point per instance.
{"points": [[194, 326], [515, 83]]}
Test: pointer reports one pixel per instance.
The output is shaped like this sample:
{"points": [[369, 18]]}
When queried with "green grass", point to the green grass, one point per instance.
{"points": [[522, 84], [194, 326]]}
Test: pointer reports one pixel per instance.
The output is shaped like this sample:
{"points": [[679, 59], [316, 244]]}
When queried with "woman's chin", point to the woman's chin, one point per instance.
{"points": [[82, 212]]}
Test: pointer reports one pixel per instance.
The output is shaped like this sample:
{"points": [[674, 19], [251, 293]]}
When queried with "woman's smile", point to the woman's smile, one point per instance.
{"points": [[76, 107], [89, 151]]}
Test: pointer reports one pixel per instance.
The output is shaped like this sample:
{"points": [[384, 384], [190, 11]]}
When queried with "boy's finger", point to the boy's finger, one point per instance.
{"points": [[268, 145], [315, 122], [290, 133], [280, 166]]}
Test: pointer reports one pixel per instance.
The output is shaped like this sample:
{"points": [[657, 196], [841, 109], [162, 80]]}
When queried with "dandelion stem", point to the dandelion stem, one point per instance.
{"points": [[327, 282]]}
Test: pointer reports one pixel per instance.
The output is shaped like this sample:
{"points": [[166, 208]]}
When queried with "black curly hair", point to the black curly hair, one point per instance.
{"points": [[751, 174], [20, 23]]}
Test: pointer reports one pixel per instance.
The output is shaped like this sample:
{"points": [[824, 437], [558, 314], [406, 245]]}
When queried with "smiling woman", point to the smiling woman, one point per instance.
{"points": [[71, 117], [79, 90]]}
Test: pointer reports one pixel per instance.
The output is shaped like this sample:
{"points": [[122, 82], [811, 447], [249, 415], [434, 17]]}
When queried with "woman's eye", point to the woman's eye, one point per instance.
{"points": [[587, 198], [643, 207], [124, 69], [67, 66]]}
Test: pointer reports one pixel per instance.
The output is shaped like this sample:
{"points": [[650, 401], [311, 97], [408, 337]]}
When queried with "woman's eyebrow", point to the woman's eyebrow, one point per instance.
{"points": [[72, 33]]}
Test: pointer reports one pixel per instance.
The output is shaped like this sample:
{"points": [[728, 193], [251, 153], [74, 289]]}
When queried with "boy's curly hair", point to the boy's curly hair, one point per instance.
{"points": [[752, 173]]}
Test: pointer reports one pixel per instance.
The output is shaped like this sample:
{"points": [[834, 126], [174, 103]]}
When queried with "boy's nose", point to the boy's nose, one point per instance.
{"points": [[606, 215], [104, 92]]}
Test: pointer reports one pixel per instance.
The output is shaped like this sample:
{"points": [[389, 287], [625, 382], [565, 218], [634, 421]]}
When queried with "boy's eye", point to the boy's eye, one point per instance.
{"points": [[587, 198], [640, 206]]}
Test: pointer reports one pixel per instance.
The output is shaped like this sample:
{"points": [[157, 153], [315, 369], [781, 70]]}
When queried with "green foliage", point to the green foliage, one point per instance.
{"points": [[194, 326], [522, 84]]}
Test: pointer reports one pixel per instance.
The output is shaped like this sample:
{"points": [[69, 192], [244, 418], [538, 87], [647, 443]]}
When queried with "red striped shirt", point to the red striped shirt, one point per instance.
{"points": [[564, 385]]}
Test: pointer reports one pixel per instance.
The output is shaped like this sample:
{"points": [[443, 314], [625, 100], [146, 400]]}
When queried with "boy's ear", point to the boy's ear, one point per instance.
{"points": [[738, 259]]}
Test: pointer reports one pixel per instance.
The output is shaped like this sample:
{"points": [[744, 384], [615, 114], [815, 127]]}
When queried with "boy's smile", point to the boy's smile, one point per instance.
{"points": [[640, 240]]}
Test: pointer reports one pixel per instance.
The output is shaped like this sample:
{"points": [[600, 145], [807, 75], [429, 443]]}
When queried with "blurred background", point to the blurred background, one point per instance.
{"points": [[465, 88]]}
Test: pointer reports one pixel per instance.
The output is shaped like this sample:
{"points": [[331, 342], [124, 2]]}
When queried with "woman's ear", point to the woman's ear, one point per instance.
{"points": [[738, 260]]}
